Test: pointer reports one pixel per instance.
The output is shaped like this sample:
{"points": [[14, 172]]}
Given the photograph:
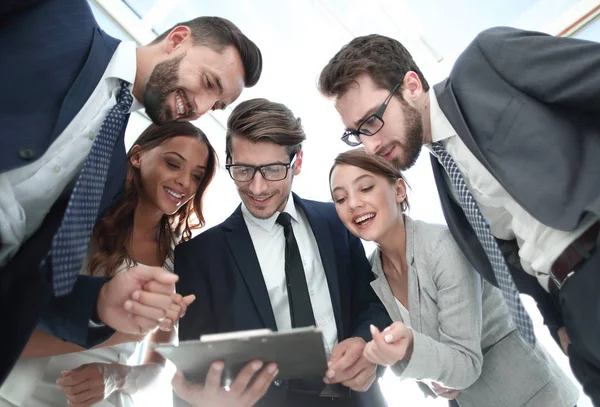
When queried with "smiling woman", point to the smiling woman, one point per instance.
{"points": [[452, 331], [169, 170]]}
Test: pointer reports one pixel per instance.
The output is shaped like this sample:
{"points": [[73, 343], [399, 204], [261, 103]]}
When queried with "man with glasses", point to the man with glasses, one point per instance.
{"points": [[515, 139], [281, 262]]}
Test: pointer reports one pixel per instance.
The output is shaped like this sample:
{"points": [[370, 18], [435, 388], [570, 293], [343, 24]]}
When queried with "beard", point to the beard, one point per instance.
{"points": [[162, 82], [409, 149]]}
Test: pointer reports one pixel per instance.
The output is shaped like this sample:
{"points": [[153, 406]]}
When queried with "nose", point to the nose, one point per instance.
{"points": [[203, 104], [258, 185], [354, 201], [372, 143], [184, 180]]}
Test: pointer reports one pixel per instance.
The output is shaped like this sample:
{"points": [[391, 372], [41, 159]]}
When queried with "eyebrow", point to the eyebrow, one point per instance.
{"points": [[365, 116], [356, 181], [183, 158]]}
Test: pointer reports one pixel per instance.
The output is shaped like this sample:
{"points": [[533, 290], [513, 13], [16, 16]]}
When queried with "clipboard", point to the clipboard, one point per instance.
{"points": [[299, 353]]}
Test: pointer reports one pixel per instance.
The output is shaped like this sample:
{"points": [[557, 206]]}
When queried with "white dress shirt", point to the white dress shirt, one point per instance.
{"points": [[27, 193], [269, 244], [539, 245]]}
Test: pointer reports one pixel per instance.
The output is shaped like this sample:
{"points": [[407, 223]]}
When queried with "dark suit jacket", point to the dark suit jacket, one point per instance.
{"points": [[221, 268], [53, 56], [527, 106]]}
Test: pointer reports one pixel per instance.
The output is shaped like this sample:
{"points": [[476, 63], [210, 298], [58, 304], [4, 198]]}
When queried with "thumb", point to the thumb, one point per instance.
{"points": [[394, 332], [159, 274], [188, 299]]}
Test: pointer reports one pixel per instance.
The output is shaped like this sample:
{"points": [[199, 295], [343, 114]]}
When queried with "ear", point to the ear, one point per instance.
{"points": [[135, 158], [177, 38], [412, 87], [400, 190], [298, 163]]}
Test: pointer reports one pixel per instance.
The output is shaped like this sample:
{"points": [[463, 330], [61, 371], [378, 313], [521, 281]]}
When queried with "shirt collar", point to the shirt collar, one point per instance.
{"points": [[123, 66], [267, 224], [441, 128]]}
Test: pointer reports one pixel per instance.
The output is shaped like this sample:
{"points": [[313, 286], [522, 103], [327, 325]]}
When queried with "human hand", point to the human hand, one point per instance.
{"points": [[240, 393], [563, 337], [138, 300], [176, 311], [388, 347], [93, 382], [445, 392], [348, 366]]}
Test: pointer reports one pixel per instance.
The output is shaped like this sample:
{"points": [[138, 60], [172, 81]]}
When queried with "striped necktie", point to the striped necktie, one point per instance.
{"points": [[482, 230], [71, 240]]}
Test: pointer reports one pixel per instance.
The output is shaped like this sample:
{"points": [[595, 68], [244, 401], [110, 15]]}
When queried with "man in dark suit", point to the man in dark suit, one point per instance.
{"points": [[280, 261], [515, 137], [67, 91]]}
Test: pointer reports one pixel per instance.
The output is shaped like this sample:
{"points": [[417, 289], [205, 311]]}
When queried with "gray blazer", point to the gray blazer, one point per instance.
{"points": [[463, 335], [527, 106]]}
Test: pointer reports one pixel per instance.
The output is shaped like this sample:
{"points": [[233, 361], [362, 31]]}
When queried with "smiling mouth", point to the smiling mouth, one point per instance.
{"points": [[175, 197], [260, 200], [181, 104], [362, 220]]}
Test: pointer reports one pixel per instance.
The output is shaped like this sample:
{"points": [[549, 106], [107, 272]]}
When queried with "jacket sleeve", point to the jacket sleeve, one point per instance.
{"points": [[8, 7], [200, 317], [555, 70], [456, 359], [366, 306], [69, 317]]}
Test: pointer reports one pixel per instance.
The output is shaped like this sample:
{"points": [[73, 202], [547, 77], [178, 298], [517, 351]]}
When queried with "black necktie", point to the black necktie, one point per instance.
{"points": [[301, 311]]}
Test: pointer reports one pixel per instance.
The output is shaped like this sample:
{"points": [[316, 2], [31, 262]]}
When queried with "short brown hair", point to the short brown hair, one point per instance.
{"points": [[375, 164], [260, 120], [384, 59], [217, 33]]}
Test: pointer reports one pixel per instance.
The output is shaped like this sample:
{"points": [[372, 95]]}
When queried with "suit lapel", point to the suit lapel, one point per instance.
{"points": [[322, 234], [450, 108], [102, 49], [414, 288], [240, 243]]}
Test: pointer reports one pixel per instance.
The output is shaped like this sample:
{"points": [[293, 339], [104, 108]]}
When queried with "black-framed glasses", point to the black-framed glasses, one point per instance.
{"points": [[371, 124], [270, 172]]}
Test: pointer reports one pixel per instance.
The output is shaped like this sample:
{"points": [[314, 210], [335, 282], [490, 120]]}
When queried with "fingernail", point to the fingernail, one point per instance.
{"points": [[372, 328], [329, 364], [326, 381], [136, 295], [273, 369], [218, 366], [386, 329], [65, 373], [330, 373], [128, 305], [256, 366], [389, 338], [276, 372]]}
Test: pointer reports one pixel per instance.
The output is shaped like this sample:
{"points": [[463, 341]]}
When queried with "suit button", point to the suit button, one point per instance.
{"points": [[277, 383], [26, 153]]}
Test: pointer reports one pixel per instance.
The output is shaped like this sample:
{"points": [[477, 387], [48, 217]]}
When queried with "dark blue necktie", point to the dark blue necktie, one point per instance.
{"points": [[71, 240], [482, 230]]}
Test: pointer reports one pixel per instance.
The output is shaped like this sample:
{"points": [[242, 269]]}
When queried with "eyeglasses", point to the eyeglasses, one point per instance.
{"points": [[270, 172], [371, 125]]}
